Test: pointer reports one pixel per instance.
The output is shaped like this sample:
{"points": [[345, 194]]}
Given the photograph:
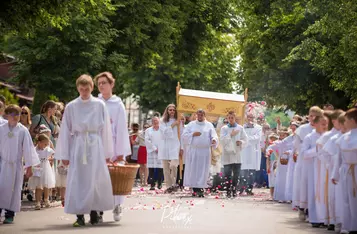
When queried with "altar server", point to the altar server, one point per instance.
{"points": [[347, 162], [323, 168], [300, 176], [86, 143], [105, 82], [330, 150], [200, 135], [15, 146], [153, 139], [309, 154], [251, 155], [233, 139]]}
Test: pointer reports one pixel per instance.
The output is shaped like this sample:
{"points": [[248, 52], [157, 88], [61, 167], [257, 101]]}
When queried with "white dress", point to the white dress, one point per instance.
{"points": [[284, 150], [252, 153], [86, 140], [198, 158], [152, 140], [45, 177], [334, 191], [300, 180], [14, 147], [291, 168], [120, 132], [322, 179], [347, 162], [310, 173]]}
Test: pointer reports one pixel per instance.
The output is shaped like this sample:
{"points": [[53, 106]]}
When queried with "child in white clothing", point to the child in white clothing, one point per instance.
{"points": [[43, 177]]}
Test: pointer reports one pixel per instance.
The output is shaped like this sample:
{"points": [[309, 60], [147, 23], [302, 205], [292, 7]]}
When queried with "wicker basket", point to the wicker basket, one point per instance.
{"points": [[284, 161], [123, 178]]}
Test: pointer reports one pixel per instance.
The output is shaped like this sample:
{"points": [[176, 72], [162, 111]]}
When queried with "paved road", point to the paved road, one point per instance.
{"points": [[149, 212]]}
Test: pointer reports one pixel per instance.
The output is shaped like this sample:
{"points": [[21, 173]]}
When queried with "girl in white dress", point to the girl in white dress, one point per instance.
{"points": [[43, 177]]}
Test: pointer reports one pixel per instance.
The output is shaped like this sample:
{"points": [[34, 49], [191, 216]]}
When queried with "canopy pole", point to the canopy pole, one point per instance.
{"points": [[178, 128]]}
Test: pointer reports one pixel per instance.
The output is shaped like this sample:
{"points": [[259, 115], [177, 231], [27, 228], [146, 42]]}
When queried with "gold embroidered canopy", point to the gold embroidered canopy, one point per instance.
{"points": [[215, 104]]}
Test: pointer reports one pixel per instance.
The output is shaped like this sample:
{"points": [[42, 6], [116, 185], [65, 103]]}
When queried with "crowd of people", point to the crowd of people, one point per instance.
{"points": [[314, 168], [310, 163]]}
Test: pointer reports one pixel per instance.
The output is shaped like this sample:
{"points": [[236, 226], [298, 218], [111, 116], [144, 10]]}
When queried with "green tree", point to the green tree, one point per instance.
{"points": [[330, 44], [24, 17], [51, 59], [267, 33], [149, 46], [10, 98]]}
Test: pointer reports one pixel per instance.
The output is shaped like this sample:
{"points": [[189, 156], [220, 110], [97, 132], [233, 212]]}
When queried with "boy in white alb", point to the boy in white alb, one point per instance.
{"points": [[347, 164], [116, 109], [233, 139], [15, 145]]}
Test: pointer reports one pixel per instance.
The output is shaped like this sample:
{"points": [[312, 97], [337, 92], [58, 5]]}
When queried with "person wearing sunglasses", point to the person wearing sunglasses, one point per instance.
{"points": [[25, 118]]}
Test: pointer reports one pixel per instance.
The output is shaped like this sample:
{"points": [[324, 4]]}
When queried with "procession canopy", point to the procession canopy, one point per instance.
{"points": [[215, 104]]}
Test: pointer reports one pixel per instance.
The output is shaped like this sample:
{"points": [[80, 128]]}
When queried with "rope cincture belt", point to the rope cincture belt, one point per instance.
{"points": [[86, 140], [351, 170]]}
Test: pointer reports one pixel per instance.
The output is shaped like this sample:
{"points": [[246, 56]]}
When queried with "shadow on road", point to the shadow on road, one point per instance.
{"points": [[68, 227]]}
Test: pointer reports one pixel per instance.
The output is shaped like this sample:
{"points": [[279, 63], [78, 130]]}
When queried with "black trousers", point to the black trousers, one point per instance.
{"points": [[247, 180], [178, 181], [159, 178], [260, 176], [8, 213], [231, 175]]}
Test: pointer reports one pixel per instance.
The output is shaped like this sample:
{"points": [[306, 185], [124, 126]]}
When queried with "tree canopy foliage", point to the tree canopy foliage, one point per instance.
{"points": [[148, 45], [290, 53], [295, 53]]}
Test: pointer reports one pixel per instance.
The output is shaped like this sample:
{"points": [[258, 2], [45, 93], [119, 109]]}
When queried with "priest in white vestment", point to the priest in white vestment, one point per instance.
{"points": [[200, 135], [153, 139], [15, 147], [86, 144], [118, 120], [251, 155], [347, 164]]}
